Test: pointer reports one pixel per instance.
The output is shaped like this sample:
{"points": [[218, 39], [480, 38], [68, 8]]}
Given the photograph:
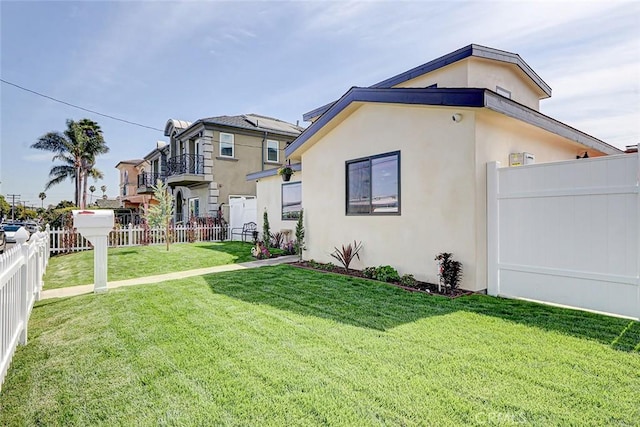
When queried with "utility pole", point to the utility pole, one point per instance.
{"points": [[13, 205]]}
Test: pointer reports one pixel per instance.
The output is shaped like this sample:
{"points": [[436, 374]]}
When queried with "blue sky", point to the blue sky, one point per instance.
{"points": [[147, 62]]}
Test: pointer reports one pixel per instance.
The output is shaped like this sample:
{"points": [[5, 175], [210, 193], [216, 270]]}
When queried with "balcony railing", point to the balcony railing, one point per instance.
{"points": [[147, 179], [186, 164]]}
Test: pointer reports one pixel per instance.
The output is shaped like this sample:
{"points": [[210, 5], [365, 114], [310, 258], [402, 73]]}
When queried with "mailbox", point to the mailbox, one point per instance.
{"points": [[93, 223], [95, 226]]}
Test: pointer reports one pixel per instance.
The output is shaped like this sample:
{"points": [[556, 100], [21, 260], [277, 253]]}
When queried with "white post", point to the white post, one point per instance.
{"points": [[493, 236], [99, 264], [21, 240], [130, 229]]}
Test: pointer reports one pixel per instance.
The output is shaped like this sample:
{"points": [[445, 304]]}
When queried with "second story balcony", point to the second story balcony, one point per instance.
{"points": [[185, 169], [146, 181]]}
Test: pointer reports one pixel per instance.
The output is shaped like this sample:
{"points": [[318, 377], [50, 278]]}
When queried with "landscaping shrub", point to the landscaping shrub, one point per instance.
{"points": [[289, 248], [450, 270], [265, 229], [408, 280], [277, 239], [383, 273], [347, 253], [260, 251]]}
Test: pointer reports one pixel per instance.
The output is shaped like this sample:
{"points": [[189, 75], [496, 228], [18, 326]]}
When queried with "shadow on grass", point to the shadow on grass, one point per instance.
{"points": [[240, 250], [121, 253], [367, 304]]}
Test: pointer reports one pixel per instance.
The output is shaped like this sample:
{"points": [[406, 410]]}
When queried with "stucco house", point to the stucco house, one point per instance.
{"points": [[207, 161], [401, 165]]}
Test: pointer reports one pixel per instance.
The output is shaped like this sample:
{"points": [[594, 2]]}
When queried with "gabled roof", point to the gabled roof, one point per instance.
{"points": [[474, 50], [251, 122], [129, 162], [450, 97]]}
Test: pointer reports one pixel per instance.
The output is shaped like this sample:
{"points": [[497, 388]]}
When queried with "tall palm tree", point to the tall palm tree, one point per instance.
{"points": [[104, 191], [77, 148], [42, 196]]}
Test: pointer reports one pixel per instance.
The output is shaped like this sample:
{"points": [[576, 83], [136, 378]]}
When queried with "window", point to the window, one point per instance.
{"points": [[291, 200], [503, 92], [226, 144], [272, 151], [194, 208], [373, 185]]}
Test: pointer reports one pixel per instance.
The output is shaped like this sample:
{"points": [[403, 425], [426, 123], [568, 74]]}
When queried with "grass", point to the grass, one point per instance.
{"points": [[140, 261], [284, 346]]}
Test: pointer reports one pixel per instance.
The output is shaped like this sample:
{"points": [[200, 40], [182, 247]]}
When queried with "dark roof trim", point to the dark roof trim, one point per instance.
{"points": [[234, 122], [316, 112], [510, 108], [270, 172], [465, 52], [451, 97]]}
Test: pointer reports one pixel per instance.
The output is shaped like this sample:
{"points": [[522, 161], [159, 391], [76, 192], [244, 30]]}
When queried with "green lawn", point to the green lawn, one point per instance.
{"points": [[282, 346], [140, 261]]}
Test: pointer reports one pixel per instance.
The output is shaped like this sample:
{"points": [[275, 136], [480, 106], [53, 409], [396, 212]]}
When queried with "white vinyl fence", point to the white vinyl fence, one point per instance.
{"points": [[567, 233], [64, 240], [21, 272]]}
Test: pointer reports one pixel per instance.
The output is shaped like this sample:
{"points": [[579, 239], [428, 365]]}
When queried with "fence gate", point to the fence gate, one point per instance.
{"points": [[566, 233], [242, 209]]}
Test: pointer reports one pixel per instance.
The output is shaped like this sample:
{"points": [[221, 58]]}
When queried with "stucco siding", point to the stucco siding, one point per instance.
{"points": [[269, 191], [484, 73], [453, 75], [437, 189]]}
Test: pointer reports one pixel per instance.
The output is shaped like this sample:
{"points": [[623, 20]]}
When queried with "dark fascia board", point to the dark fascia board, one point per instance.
{"points": [[462, 53], [510, 108], [451, 97], [204, 123], [316, 112], [271, 172], [465, 52]]}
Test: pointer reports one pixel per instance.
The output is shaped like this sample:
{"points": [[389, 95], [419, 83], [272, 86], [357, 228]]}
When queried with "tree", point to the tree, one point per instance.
{"points": [[299, 244], [42, 196], [5, 207], [92, 189], [266, 230], [159, 216], [77, 148], [104, 191]]}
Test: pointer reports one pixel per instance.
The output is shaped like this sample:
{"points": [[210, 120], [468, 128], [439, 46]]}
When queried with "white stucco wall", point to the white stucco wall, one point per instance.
{"points": [[437, 189], [452, 75], [269, 193]]}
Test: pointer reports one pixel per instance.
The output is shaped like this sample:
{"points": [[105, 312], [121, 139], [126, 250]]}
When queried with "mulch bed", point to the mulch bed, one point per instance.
{"points": [[423, 287]]}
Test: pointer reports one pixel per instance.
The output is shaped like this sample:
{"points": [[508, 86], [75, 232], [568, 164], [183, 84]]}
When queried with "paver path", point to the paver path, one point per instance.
{"points": [[87, 289]]}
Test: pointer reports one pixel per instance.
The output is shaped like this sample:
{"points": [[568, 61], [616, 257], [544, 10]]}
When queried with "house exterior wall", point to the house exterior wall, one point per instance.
{"points": [[488, 74], [131, 184], [249, 156], [482, 73], [269, 192], [452, 75], [437, 159]]}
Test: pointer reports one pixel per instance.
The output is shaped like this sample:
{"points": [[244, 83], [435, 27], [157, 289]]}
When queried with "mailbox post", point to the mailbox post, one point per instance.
{"points": [[95, 225]]}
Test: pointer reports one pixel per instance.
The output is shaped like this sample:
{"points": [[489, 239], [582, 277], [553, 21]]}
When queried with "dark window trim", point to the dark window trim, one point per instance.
{"points": [[370, 158], [282, 200]]}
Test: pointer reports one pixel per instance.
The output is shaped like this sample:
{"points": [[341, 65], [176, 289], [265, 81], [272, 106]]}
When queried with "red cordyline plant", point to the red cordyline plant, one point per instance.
{"points": [[347, 254]]}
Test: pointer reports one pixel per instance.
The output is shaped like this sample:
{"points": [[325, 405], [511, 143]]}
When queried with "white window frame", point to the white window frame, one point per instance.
{"points": [[233, 151], [272, 141]]}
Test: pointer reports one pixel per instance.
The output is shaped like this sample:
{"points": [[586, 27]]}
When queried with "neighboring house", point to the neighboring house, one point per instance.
{"points": [[134, 195], [128, 180], [208, 160], [401, 165]]}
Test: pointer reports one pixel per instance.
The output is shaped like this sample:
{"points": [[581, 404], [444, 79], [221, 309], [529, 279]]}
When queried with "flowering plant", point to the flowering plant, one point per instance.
{"points": [[260, 251], [285, 170]]}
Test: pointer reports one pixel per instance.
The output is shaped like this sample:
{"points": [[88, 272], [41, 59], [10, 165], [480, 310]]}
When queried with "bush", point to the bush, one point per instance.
{"points": [[408, 280], [450, 270], [348, 253], [289, 248], [383, 273]]}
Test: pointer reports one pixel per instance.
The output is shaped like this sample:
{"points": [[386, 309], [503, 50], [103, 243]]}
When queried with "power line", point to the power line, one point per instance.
{"points": [[79, 107]]}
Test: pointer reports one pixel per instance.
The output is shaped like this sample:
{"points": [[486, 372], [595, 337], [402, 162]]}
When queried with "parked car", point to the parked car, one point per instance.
{"points": [[10, 231], [3, 241], [32, 226]]}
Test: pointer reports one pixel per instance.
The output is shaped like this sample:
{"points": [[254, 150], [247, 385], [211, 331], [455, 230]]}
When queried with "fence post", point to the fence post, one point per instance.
{"points": [[130, 239], [38, 265], [21, 240], [493, 237]]}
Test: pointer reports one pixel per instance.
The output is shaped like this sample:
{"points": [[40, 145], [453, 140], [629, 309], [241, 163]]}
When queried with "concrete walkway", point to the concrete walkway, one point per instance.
{"points": [[87, 289]]}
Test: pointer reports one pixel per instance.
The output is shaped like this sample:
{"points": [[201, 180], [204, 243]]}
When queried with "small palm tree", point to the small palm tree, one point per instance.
{"points": [[104, 191], [42, 196], [92, 189]]}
